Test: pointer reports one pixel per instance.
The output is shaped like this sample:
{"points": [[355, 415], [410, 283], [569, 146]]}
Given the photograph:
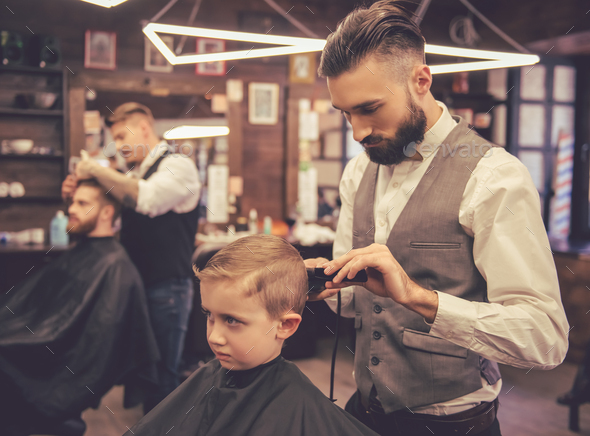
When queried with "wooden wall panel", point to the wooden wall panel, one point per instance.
{"points": [[573, 272], [43, 179], [291, 156], [15, 217], [77, 105], [235, 138], [47, 131], [263, 163]]}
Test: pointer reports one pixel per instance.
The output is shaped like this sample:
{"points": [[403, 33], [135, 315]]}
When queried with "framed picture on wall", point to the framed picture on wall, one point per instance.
{"points": [[263, 103], [154, 60], [100, 50], [206, 45], [302, 68]]}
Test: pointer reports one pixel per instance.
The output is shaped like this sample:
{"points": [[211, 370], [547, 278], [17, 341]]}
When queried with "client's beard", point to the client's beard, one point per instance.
{"points": [[402, 146], [84, 227]]}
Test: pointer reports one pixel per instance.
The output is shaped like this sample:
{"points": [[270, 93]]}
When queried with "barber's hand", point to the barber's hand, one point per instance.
{"points": [[386, 278], [68, 187], [85, 167], [326, 293], [315, 262]]}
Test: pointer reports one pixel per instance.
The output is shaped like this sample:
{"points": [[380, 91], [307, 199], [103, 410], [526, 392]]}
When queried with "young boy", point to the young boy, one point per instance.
{"points": [[253, 293]]}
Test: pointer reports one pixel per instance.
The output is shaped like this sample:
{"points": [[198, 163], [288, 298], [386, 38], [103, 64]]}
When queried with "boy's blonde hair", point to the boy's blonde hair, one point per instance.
{"points": [[263, 265]]}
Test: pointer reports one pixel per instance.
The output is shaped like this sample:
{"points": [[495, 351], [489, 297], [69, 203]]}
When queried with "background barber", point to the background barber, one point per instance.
{"points": [[159, 195]]}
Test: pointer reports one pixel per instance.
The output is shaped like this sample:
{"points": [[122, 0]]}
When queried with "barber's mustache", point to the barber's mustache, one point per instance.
{"points": [[371, 140]]}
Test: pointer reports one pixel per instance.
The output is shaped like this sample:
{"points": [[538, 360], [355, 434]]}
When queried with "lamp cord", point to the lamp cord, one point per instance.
{"points": [[495, 28], [335, 350]]}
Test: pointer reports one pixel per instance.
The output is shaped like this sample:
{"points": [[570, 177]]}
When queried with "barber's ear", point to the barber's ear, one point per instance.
{"points": [[422, 79], [144, 127], [288, 325]]}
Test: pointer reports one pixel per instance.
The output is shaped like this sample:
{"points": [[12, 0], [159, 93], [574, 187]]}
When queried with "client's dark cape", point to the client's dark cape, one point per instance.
{"points": [[272, 399], [74, 329]]}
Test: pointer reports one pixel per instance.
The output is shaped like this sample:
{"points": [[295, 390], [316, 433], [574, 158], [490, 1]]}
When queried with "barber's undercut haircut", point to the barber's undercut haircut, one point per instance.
{"points": [[105, 198], [262, 265], [126, 111], [386, 29]]}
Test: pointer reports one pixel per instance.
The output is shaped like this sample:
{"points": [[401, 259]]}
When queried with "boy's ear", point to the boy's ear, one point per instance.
{"points": [[288, 325]]}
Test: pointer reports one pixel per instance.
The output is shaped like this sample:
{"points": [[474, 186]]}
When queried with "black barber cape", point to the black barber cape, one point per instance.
{"points": [[275, 398], [72, 330]]}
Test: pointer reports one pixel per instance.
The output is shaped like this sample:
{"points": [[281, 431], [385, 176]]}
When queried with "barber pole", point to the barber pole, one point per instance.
{"points": [[559, 224]]}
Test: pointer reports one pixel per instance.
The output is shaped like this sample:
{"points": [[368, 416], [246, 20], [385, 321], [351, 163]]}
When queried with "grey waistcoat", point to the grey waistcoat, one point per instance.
{"points": [[394, 351]]}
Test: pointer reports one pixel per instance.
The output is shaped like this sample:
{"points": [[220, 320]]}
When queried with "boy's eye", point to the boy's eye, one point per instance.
{"points": [[206, 312], [232, 321]]}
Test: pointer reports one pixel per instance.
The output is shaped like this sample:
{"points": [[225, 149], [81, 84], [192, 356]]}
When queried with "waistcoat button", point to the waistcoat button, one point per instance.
{"points": [[377, 308], [376, 335], [375, 360]]}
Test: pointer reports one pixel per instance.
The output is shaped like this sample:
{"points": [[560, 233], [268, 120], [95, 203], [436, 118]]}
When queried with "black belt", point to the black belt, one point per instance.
{"points": [[470, 422]]}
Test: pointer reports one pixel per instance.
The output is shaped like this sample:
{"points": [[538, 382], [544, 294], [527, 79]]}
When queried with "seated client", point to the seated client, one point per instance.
{"points": [[253, 293], [75, 328]]}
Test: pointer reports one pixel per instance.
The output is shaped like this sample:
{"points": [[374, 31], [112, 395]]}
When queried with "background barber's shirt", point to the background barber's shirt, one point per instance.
{"points": [[174, 186], [525, 324]]}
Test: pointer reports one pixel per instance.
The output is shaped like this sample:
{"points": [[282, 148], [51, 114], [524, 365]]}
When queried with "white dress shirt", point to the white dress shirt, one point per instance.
{"points": [[524, 324], [174, 186]]}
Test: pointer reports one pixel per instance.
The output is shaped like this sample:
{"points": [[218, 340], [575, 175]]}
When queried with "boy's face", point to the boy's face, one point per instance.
{"points": [[239, 330]]}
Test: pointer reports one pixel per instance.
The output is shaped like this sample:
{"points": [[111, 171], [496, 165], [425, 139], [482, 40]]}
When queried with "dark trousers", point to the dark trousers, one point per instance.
{"points": [[169, 304], [356, 409], [581, 386]]}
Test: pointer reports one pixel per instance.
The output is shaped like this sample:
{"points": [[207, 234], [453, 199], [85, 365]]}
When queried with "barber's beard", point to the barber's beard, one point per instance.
{"points": [[83, 227], [402, 146]]}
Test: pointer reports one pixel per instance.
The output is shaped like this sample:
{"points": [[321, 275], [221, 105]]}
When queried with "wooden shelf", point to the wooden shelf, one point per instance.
{"points": [[55, 157], [12, 248], [31, 199], [32, 112], [29, 69], [42, 174]]}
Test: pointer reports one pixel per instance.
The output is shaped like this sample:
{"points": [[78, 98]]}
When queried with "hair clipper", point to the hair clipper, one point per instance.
{"points": [[317, 278]]}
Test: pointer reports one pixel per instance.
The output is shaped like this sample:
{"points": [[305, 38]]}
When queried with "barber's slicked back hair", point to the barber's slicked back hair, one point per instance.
{"points": [[262, 265], [126, 111], [386, 29]]}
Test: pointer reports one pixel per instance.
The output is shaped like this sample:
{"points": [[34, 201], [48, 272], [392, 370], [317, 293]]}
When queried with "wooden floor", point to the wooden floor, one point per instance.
{"points": [[527, 402]]}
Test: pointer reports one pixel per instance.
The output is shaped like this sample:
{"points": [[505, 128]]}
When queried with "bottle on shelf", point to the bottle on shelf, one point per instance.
{"points": [[253, 222], [267, 225], [58, 230]]}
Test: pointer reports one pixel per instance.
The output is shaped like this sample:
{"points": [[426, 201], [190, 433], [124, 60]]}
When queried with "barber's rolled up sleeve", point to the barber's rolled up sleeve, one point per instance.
{"points": [[174, 186]]}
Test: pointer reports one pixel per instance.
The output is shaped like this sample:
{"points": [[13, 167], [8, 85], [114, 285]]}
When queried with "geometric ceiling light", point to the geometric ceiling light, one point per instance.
{"points": [[286, 44], [292, 45], [186, 132], [105, 3], [493, 59]]}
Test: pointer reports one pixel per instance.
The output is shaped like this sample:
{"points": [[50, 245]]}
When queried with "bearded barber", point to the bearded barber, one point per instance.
{"points": [[159, 219], [460, 274]]}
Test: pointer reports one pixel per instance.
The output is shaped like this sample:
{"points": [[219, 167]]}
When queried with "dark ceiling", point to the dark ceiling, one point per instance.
{"points": [[525, 20]]}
